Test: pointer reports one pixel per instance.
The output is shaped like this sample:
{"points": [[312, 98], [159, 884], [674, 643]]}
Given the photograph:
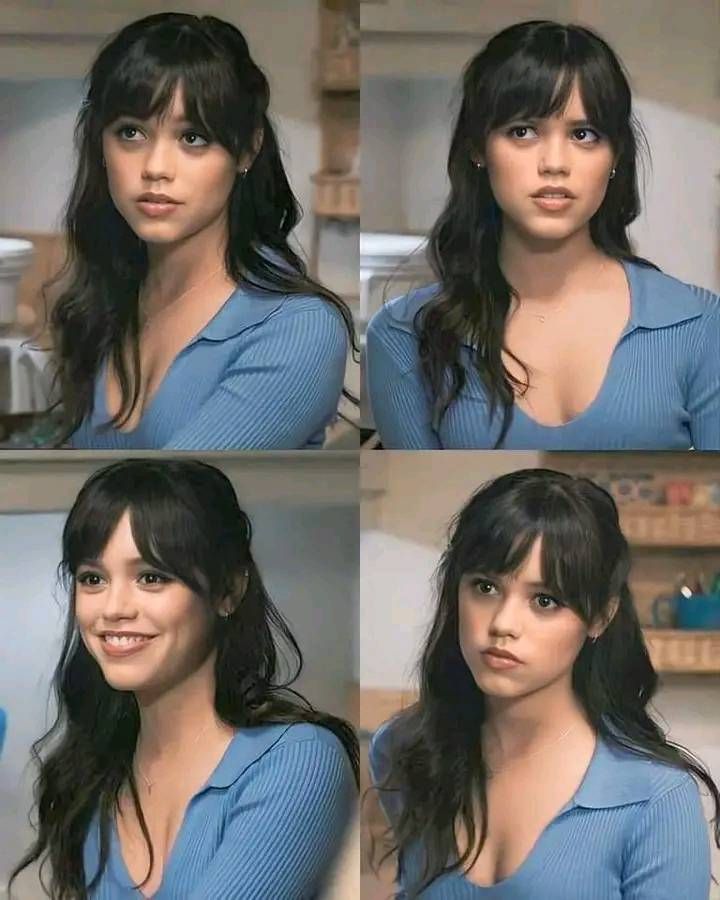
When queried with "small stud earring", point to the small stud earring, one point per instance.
{"points": [[478, 164], [244, 173], [612, 173]]}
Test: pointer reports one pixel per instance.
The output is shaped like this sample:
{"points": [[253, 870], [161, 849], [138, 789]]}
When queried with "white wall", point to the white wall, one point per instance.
{"points": [[36, 120], [308, 557]]}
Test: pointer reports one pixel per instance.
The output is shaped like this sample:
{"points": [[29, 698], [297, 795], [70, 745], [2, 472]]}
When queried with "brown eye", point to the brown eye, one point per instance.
{"points": [[89, 579], [153, 579], [483, 586], [546, 602]]}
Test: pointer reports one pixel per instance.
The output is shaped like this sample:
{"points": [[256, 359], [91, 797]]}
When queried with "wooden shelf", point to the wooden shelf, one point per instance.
{"points": [[340, 71], [684, 651], [671, 526], [336, 196]]}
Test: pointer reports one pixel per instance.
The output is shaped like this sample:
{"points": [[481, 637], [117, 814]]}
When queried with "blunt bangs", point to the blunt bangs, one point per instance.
{"points": [[175, 528], [495, 532], [534, 80], [143, 83]]}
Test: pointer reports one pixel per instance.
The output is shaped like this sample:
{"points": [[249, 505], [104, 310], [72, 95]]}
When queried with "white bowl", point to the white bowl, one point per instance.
{"points": [[15, 256]]}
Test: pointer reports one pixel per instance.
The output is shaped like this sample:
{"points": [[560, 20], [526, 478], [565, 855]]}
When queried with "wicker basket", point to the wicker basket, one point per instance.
{"points": [[671, 526], [340, 71], [673, 650], [337, 196]]}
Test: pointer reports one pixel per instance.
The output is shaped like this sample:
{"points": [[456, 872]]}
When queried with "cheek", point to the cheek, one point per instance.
{"points": [[559, 643], [473, 622]]}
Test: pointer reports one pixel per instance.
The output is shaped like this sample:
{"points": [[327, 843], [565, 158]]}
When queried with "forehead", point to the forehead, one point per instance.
{"points": [[121, 541], [574, 108]]}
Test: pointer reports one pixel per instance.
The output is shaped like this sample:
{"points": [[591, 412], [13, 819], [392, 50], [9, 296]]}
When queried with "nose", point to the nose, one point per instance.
{"points": [[554, 155], [505, 621], [119, 602], [159, 162]]}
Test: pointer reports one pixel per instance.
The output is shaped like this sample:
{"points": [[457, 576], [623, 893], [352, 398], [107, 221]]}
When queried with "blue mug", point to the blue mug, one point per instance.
{"points": [[698, 612]]}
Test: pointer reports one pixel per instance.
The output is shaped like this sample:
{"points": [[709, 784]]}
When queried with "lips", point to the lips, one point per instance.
{"points": [[554, 191], [156, 198], [501, 654]]}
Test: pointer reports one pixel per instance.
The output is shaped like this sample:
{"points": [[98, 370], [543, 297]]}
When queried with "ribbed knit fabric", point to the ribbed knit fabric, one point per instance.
{"points": [[634, 830], [661, 390], [266, 826], [265, 373]]}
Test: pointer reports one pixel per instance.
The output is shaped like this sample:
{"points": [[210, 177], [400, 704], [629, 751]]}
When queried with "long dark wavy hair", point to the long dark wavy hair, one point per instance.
{"points": [[525, 71], [436, 761], [185, 520], [96, 315]]}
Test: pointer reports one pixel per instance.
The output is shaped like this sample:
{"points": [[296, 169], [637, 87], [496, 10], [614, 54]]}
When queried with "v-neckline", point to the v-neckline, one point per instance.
{"points": [[533, 859], [122, 866], [104, 384], [584, 413]]}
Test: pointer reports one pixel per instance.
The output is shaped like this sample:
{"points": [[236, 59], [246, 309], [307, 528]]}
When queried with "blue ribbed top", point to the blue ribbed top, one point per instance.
{"points": [[266, 825], [661, 390], [634, 830], [266, 373]]}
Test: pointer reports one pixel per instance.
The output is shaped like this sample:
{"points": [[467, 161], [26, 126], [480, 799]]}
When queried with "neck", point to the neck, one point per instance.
{"points": [[521, 725], [172, 720], [174, 268], [546, 270]]}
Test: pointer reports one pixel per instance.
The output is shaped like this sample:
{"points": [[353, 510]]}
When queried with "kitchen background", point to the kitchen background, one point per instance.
{"points": [[304, 511], [412, 56], [670, 512], [309, 51]]}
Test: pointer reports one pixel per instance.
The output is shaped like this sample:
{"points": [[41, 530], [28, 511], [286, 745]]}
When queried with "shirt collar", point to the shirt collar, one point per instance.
{"points": [[656, 301], [246, 747], [615, 777], [245, 307]]}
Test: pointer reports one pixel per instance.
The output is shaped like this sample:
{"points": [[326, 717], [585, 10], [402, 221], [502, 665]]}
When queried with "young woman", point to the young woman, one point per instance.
{"points": [[545, 330], [179, 764], [185, 318], [530, 766]]}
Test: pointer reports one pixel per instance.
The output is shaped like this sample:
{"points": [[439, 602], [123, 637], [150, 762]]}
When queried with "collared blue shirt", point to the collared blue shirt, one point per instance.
{"points": [[267, 824], [661, 390], [265, 373], [634, 830]]}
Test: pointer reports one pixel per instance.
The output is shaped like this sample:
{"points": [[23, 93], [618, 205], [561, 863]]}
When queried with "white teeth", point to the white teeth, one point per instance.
{"points": [[123, 640]]}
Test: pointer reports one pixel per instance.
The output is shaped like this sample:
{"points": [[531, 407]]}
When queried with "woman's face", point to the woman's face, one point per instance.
{"points": [[562, 151], [147, 631], [168, 157], [516, 613]]}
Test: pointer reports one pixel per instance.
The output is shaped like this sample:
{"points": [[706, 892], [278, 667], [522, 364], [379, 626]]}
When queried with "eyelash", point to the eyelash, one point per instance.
{"points": [[575, 130], [121, 128], [84, 577], [477, 582]]}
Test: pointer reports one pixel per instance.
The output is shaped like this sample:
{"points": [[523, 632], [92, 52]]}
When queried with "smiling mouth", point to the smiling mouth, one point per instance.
{"points": [[116, 640]]}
